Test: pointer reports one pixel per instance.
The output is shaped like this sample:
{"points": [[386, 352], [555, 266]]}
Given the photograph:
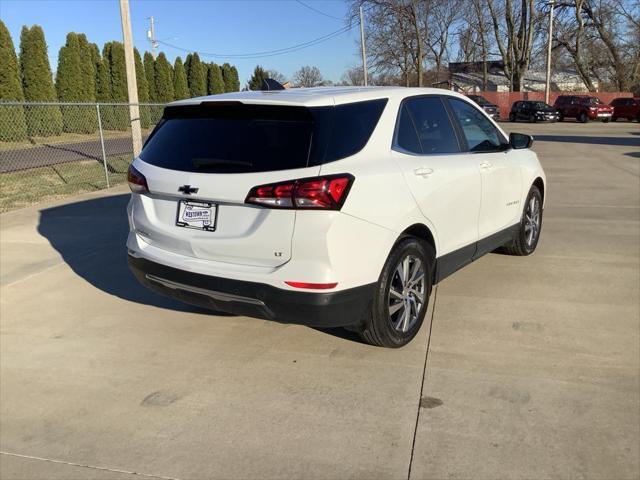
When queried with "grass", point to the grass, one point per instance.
{"points": [[24, 188], [33, 142]]}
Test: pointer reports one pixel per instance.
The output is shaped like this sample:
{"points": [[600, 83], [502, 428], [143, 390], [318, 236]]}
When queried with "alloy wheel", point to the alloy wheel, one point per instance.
{"points": [[532, 221], [406, 293]]}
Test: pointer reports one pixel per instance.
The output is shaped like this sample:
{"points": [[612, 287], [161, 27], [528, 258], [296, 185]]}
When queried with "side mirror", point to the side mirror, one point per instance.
{"points": [[519, 141]]}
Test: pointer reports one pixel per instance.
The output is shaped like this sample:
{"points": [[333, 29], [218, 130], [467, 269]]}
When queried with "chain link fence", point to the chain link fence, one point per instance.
{"points": [[49, 150]]}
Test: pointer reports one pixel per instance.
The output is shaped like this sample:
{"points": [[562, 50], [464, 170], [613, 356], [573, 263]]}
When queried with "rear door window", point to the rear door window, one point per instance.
{"points": [[231, 137], [406, 135], [424, 127]]}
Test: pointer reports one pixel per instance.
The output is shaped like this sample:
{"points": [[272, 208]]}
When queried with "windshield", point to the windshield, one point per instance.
{"points": [[231, 137], [594, 101]]}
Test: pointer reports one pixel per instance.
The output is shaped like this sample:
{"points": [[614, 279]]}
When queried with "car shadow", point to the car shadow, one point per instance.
{"points": [[621, 141], [90, 235]]}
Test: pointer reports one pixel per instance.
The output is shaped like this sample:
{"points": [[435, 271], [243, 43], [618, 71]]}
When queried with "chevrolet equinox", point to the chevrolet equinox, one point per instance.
{"points": [[329, 207]]}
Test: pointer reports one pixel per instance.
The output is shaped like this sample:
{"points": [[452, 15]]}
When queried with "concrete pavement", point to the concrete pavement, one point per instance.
{"points": [[537, 359], [532, 368]]}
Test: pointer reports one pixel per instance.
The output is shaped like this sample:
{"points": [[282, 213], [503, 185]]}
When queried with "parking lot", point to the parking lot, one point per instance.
{"points": [[526, 367]]}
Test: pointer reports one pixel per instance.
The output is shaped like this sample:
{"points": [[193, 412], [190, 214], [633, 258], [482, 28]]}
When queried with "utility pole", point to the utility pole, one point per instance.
{"points": [[132, 87], [151, 35], [547, 86], [363, 48]]}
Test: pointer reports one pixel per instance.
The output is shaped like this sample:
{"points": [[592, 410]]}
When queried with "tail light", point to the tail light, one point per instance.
{"points": [[137, 181], [316, 193]]}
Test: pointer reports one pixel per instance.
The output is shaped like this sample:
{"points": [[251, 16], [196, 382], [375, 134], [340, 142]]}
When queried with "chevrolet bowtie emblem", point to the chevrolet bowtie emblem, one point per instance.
{"points": [[188, 189]]}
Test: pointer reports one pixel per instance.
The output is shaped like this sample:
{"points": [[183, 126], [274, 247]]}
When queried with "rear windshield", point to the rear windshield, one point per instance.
{"points": [[232, 137], [540, 105]]}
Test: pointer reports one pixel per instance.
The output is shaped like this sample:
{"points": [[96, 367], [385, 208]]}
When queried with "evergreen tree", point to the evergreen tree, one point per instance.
{"points": [[37, 84], [96, 60], [12, 123], [88, 68], [88, 54], [187, 64], [196, 76], [163, 79], [180, 87], [113, 54], [149, 72], [230, 78], [235, 79], [215, 84], [70, 87], [103, 93], [259, 75], [143, 90]]}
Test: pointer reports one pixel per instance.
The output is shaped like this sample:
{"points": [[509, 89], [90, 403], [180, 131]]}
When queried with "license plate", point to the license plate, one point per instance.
{"points": [[197, 215], [604, 114]]}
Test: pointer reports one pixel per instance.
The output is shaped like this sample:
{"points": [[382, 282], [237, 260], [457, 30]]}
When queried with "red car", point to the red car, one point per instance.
{"points": [[583, 108], [626, 107]]}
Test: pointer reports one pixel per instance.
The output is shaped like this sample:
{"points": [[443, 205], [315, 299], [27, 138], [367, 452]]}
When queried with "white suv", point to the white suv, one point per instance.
{"points": [[327, 206]]}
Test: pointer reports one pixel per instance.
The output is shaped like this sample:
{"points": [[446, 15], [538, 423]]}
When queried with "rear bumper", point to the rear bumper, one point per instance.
{"points": [[596, 115], [328, 309], [546, 117]]}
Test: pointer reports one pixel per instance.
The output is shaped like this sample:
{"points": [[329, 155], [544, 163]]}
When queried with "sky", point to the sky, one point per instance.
{"points": [[225, 27]]}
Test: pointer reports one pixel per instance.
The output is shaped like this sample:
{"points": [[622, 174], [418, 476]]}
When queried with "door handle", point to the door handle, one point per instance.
{"points": [[423, 171], [486, 165]]}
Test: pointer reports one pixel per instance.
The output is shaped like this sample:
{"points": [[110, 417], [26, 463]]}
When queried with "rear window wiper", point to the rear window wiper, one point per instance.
{"points": [[218, 162]]}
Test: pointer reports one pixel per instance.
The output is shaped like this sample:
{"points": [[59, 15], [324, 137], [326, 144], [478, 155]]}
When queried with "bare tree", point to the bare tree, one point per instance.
{"points": [[308, 77], [570, 33], [603, 40], [514, 28], [277, 76], [442, 17], [409, 41], [354, 76], [391, 41], [605, 18], [480, 24]]}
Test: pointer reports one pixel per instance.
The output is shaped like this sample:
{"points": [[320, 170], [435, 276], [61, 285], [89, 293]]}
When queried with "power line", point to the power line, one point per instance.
{"points": [[267, 53], [318, 11]]}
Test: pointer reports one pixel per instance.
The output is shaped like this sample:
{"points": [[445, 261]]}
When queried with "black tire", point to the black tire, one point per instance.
{"points": [[638, 117], [614, 119], [532, 118], [378, 327], [561, 117], [582, 118], [605, 120], [521, 245], [512, 117]]}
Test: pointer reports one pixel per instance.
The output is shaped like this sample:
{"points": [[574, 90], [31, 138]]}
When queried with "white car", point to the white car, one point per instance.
{"points": [[329, 207]]}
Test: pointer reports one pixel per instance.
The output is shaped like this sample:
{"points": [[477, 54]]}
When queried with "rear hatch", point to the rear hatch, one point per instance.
{"points": [[204, 159], [600, 108], [219, 152]]}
